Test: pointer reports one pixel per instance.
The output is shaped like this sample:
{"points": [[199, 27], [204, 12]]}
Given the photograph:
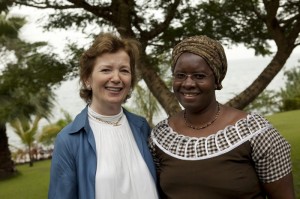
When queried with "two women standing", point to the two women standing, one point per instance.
{"points": [[208, 150]]}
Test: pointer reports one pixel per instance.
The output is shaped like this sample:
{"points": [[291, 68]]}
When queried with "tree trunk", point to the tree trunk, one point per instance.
{"points": [[30, 156], [6, 164], [158, 88], [261, 82]]}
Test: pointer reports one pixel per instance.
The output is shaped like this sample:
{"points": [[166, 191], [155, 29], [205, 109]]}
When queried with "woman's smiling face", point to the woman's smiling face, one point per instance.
{"points": [[110, 81], [196, 90]]}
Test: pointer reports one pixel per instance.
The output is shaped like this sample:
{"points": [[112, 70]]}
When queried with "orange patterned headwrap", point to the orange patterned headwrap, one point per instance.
{"points": [[210, 50]]}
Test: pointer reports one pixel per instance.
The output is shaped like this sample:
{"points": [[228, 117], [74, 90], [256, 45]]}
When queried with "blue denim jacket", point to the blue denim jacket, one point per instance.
{"points": [[73, 166]]}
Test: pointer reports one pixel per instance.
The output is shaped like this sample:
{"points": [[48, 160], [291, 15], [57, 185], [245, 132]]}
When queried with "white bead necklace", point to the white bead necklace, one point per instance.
{"points": [[113, 120]]}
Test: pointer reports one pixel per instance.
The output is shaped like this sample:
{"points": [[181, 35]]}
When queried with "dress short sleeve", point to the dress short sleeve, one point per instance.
{"points": [[271, 155]]}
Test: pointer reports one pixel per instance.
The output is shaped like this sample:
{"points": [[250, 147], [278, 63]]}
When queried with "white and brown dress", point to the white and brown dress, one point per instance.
{"points": [[232, 163]]}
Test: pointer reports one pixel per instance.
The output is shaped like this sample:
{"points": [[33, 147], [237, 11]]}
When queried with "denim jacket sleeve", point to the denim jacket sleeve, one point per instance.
{"points": [[63, 184]]}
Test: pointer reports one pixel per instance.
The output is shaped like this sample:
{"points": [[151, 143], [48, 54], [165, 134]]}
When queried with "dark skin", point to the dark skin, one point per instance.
{"points": [[281, 189], [199, 101], [229, 117]]}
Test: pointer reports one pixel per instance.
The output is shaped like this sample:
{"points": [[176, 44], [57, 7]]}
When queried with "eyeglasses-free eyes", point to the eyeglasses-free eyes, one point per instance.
{"points": [[197, 77]]}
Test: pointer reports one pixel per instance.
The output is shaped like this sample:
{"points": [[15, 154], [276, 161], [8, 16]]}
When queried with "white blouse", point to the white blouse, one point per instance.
{"points": [[121, 171]]}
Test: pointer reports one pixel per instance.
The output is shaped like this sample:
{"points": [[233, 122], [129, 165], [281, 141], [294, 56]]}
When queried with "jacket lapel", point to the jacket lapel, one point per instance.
{"points": [[135, 124]]}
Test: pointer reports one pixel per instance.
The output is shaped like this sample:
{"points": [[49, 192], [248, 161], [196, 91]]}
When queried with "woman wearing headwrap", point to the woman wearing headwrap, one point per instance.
{"points": [[210, 150]]}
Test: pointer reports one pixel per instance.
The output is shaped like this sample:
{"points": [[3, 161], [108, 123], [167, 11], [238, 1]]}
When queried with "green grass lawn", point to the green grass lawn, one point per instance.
{"points": [[29, 183], [32, 182], [288, 123]]}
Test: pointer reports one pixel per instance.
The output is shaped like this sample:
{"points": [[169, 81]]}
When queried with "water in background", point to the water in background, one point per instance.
{"points": [[241, 73]]}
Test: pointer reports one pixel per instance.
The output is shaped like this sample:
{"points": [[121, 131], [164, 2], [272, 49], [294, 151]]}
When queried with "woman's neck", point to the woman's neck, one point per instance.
{"points": [[202, 117], [106, 109]]}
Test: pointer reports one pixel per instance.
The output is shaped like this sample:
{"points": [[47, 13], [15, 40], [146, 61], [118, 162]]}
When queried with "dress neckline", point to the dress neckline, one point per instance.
{"points": [[194, 148]]}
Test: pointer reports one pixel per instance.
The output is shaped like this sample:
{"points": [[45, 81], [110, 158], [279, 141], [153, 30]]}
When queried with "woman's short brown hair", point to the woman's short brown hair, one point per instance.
{"points": [[106, 43]]}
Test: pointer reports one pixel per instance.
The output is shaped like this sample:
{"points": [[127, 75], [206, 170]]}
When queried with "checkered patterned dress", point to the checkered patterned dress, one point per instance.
{"points": [[233, 163]]}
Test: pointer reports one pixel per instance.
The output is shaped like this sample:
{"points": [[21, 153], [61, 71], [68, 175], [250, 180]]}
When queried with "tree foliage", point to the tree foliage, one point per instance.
{"points": [[286, 99], [26, 131], [50, 131], [268, 102], [26, 80], [9, 25], [144, 104], [24, 83], [159, 25], [291, 93]]}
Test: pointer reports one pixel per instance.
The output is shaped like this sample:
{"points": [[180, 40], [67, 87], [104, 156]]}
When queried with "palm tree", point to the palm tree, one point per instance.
{"points": [[26, 132], [50, 131], [6, 164], [9, 28], [25, 83], [26, 128]]}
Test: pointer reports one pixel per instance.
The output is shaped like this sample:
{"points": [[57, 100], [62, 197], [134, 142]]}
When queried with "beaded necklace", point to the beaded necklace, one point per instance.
{"points": [[106, 119], [108, 122], [201, 127]]}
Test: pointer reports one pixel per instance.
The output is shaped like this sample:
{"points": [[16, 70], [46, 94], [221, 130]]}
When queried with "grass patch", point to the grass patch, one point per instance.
{"points": [[28, 183], [32, 182], [288, 124]]}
